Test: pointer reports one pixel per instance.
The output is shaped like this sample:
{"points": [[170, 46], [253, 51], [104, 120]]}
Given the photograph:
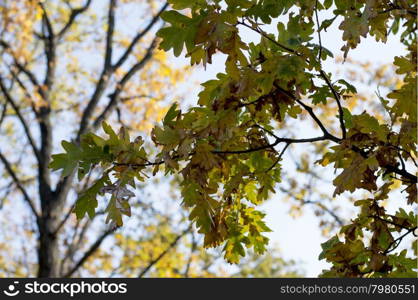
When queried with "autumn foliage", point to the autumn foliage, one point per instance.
{"points": [[228, 148]]}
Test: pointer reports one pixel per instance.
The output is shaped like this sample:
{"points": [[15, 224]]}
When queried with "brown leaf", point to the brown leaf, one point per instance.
{"points": [[412, 193], [377, 262]]}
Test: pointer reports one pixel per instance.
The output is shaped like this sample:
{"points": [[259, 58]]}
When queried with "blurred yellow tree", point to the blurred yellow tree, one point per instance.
{"points": [[65, 66]]}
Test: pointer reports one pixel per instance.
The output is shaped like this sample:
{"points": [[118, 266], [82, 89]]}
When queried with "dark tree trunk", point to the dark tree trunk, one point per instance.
{"points": [[48, 252], [48, 247]]}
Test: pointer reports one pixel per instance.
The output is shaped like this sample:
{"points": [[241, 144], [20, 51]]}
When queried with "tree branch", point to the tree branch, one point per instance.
{"points": [[323, 75], [49, 49], [43, 117], [93, 248], [46, 20], [397, 241], [22, 120], [338, 100], [25, 90], [192, 250], [267, 146], [319, 31], [105, 75], [265, 35], [278, 158], [312, 114], [403, 173], [390, 222], [323, 207], [109, 36], [73, 15], [114, 97], [139, 36], [64, 220], [159, 257], [23, 69], [32, 79], [19, 185], [276, 142], [3, 112]]}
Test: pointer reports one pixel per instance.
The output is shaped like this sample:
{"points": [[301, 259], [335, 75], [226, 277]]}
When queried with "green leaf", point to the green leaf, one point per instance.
{"points": [[234, 250], [171, 115], [181, 33], [348, 118], [251, 191], [113, 138], [327, 3], [166, 136], [182, 4], [113, 214], [87, 202], [327, 23], [66, 161], [348, 87], [328, 245]]}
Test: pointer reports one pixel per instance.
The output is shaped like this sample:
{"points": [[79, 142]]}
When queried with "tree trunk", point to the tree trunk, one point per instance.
{"points": [[48, 252], [48, 248]]}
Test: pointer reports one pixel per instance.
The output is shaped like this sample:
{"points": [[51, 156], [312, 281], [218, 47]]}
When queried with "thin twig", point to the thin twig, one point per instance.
{"points": [[319, 32], [162, 254], [338, 100], [93, 248], [73, 15], [397, 241], [139, 36]]}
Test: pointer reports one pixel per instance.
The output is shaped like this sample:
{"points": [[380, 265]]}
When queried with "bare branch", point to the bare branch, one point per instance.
{"points": [[325, 77], [23, 69], [31, 77], [115, 96], [25, 90], [73, 15], [327, 210], [93, 248], [139, 36], [109, 36], [3, 112], [46, 20], [318, 203], [22, 120], [162, 254], [319, 31], [192, 250], [105, 75], [50, 50], [64, 220], [278, 158], [19, 185]]}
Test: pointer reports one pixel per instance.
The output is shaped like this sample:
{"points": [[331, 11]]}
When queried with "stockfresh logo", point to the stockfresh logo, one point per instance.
{"points": [[12, 290], [62, 288]]}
